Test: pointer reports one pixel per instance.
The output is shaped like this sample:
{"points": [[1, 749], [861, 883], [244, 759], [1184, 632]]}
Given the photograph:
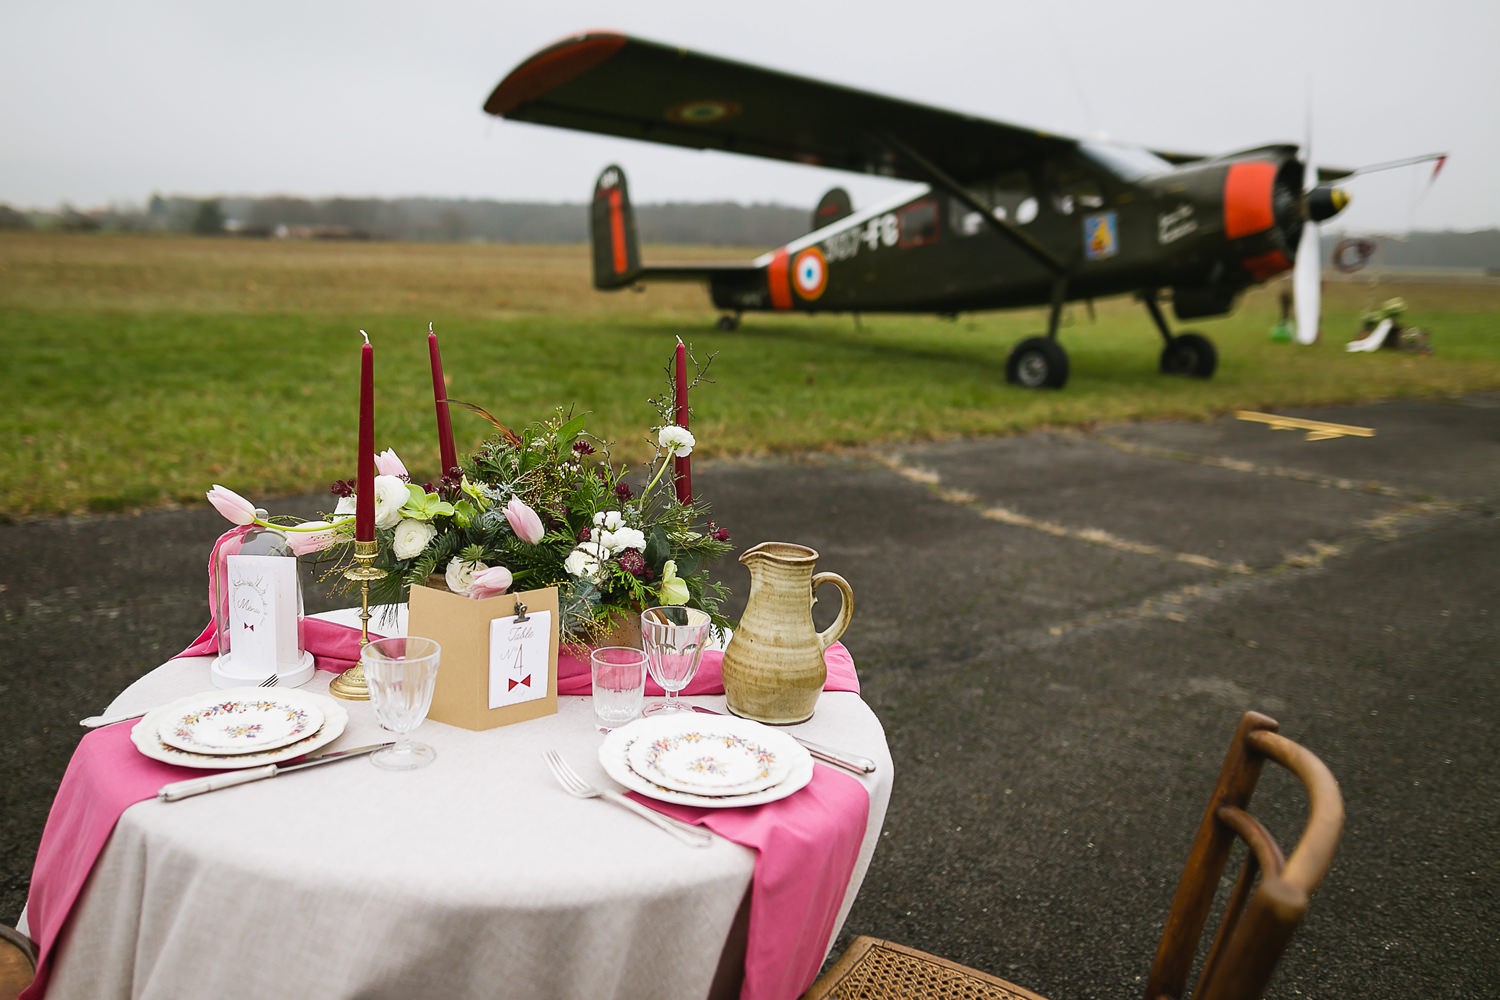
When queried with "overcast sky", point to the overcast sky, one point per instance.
{"points": [[108, 102]]}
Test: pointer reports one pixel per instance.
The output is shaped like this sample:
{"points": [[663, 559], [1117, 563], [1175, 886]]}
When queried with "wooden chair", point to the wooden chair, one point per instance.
{"points": [[1259, 913], [17, 961]]}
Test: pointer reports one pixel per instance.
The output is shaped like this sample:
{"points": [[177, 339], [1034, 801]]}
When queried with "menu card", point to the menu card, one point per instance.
{"points": [[263, 613]]}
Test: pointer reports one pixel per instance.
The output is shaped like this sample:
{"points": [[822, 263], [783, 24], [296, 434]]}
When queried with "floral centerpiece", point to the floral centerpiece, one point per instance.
{"points": [[539, 507]]}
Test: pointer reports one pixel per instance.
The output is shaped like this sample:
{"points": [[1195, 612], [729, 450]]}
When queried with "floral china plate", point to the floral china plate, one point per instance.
{"points": [[705, 755], [147, 733], [615, 752], [225, 723]]}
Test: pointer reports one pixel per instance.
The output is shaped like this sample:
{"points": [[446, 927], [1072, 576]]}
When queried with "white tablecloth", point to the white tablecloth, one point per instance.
{"points": [[477, 876]]}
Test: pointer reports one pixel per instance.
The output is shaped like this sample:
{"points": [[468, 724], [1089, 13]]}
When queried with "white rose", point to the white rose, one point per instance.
{"points": [[584, 560], [391, 495], [412, 537], [609, 520], [624, 538], [678, 441], [460, 574]]}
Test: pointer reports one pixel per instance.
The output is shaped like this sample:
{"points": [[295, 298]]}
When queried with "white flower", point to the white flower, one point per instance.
{"points": [[678, 441], [390, 496], [609, 520], [624, 538], [460, 574], [346, 505], [412, 537], [585, 560]]}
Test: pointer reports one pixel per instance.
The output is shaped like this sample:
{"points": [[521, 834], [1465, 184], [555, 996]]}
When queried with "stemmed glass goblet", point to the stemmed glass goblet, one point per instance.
{"points": [[401, 672], [674, 638]]}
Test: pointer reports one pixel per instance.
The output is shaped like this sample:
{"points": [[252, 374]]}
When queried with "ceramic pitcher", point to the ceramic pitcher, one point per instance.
{"points": [[773, 668]]}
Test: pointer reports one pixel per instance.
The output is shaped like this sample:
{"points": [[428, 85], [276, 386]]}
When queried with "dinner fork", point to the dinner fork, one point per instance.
{"points": [[270, 682], [694, 836]]}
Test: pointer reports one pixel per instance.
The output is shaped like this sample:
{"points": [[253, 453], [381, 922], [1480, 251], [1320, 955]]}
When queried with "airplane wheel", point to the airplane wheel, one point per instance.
{"points": [[1037, 363], [1189, 354], [728, 324]]}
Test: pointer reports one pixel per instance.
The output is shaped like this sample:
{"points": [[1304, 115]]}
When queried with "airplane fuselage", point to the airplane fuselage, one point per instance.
{"points": [[1209, 231]]}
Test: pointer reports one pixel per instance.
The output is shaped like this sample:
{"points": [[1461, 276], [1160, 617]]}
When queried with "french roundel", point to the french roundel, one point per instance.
{"points": [[810, 273]]}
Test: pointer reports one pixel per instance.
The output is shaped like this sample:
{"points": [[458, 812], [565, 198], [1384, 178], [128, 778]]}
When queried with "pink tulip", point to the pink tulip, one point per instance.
{"points": [[388, 464], [233, 506], [489, 582], [306, 542], [524, 522]]}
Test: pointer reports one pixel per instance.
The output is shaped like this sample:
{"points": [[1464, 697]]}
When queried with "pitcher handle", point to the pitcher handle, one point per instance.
{"points": [[830, 635]]}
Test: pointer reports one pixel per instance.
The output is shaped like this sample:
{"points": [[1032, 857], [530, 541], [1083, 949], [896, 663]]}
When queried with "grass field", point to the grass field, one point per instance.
{"points": [[138, 371]]}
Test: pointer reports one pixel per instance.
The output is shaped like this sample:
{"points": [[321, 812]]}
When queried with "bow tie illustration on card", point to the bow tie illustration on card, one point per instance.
{"points": [[523, 681]]}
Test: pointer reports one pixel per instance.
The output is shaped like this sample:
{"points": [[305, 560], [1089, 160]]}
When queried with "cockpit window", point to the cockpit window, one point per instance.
{"points": [[1010, 195], [919, 223]]}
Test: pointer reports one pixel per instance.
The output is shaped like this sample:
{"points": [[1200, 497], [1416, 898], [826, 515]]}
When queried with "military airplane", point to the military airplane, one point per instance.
{"points": [[1005, 216]]}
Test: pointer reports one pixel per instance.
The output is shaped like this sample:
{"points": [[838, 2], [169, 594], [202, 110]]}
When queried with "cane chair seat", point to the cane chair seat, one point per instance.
{"points": [[875, 968]]}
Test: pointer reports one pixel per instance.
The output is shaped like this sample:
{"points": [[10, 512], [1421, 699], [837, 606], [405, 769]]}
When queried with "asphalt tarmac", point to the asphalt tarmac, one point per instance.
{"points": [[1059, 632]]}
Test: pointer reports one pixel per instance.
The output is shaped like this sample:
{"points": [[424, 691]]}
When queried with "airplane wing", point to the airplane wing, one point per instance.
{"points": [[617, 85]]}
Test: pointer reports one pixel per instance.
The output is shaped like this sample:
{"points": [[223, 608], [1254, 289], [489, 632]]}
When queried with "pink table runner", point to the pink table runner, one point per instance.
{"points": [[806, 844]]}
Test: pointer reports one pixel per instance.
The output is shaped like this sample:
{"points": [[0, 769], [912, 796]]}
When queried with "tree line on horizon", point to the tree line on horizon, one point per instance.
{"points": [[450, 220]]}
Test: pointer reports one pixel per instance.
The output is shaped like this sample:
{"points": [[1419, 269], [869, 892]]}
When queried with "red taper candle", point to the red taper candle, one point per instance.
{"points": [[446, 450], [682, 470], [364, 483]]}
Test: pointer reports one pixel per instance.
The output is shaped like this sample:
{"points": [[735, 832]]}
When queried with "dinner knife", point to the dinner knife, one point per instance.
{"points": [[213, 782], [849, 761]]}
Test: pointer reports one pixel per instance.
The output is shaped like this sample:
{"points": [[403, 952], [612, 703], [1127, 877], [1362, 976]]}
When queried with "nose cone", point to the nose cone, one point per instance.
{"points": [[1326, 202]]}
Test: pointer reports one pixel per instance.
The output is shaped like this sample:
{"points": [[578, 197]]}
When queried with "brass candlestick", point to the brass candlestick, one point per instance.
{"points": [[350, 685]]}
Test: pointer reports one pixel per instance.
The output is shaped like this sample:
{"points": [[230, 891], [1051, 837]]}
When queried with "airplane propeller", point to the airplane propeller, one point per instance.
{"points": [[1319, 203]]}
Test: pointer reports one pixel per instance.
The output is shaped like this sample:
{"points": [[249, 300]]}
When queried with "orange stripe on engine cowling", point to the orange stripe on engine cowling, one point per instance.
{"points": [[778, 281], [617, 231], [1247, 199]]}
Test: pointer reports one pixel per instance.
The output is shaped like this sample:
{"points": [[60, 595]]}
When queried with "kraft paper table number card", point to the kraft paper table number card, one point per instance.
{"points": [[499, 662]]}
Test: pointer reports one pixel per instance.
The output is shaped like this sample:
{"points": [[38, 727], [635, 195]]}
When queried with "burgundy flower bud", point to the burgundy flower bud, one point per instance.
{"points": [[633, 562], [342, 488], [583, 448], [622, 491]]}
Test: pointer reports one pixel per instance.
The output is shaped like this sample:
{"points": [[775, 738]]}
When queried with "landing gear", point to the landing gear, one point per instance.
{"points": [[1187, 353], [1037, 363], [1040, 362], [728, 323]]}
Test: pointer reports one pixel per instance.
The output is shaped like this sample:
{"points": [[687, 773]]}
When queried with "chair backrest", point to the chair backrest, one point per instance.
{"points": [[1271, 894]]}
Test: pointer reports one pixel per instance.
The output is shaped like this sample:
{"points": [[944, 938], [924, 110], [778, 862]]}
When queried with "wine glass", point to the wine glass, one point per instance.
{"points": [[401, 672], [674, 638]]}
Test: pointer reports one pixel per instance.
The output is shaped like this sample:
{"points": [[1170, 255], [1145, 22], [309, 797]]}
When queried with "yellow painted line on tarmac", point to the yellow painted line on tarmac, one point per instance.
{"points": [[1317, 430]]}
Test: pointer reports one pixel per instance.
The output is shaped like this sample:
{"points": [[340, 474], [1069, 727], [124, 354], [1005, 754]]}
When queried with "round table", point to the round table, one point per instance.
{"points": [[476, 876]]}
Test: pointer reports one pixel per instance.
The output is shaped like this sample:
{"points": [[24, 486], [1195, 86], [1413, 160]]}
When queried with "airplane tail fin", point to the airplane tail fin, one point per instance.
{"points": [[834, 206], [617, 252]]}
